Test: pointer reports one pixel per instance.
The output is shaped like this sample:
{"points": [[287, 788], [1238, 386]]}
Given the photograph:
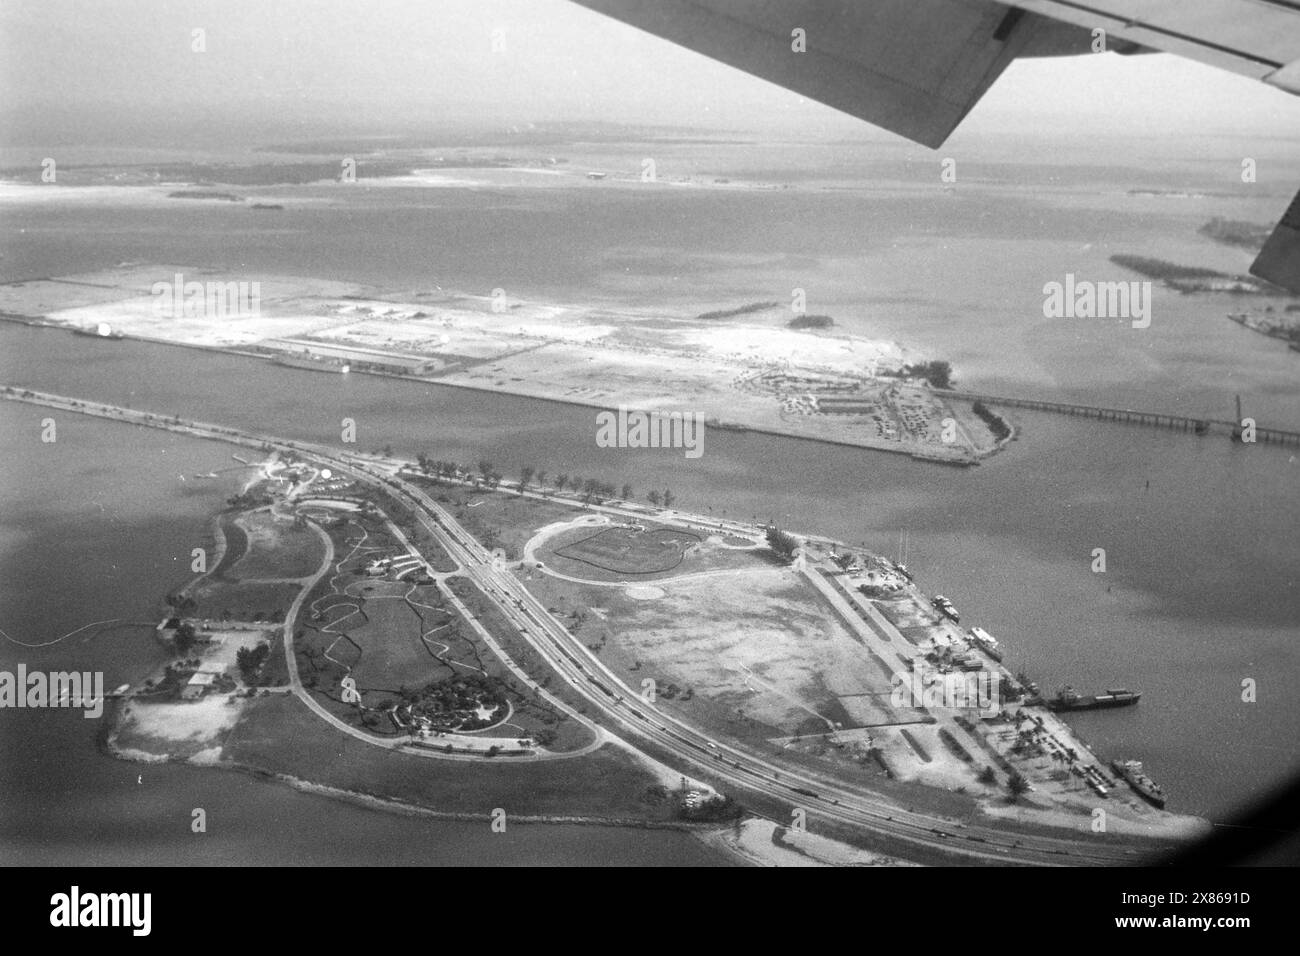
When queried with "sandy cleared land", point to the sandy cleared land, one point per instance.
{"points": [[756, 640], [747, 370], [180, 728], [757, 841], [124, 299], [189, 729]]}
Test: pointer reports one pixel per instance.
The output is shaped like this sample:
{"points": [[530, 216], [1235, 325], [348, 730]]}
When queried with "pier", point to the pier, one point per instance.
{"points": [[1197, 426]]}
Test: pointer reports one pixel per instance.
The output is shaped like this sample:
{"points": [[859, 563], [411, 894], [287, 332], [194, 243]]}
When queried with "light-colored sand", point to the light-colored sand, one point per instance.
{"points": [[645, 593], [184, 722], [756, 638], [750, 371], [755, 844]]}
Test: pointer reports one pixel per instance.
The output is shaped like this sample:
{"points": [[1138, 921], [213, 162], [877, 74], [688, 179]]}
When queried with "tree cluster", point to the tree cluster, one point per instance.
{"points": [[782, 544], [250, 660]]}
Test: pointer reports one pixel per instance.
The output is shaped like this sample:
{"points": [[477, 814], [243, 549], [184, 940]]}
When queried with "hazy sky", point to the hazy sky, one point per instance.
{"points": [[66, 63]]}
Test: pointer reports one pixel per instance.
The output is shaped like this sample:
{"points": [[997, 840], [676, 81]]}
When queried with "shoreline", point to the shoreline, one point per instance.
{"points": [[106, 744], [917, 452]]}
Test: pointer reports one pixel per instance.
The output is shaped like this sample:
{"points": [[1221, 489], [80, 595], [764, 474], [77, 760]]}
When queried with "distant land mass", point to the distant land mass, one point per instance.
{"points": [[1164, 270], [937, 372], [1236, 232], [204, 194], [811, 322], [1196, 278], [740, 310]]}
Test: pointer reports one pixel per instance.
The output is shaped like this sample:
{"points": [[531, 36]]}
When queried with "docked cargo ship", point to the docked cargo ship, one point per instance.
{"points": [[1148, 789], [314, 365], [986, 642], [944, 607], [1067, 699]]}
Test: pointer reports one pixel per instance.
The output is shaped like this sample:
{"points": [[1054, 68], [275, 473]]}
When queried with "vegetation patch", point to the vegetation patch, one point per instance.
{"points": [[749, 309], [995, 422], [811, 322]]}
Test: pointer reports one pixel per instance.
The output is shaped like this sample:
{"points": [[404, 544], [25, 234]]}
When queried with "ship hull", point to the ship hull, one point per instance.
{"points": [[310, 365], [1144, 791], [1092, 703]]}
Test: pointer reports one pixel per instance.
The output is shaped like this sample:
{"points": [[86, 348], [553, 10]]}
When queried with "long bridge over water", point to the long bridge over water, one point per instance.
{"points": [[1198, 426]]}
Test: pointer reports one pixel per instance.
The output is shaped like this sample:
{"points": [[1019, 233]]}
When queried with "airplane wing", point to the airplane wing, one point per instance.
{"points": [[917, 67]]}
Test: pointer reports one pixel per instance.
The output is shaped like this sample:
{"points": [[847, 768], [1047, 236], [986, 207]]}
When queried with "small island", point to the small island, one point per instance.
{"points": [[810, 322], [1284, 325], [1195, 278], [204, 194], [1236, 232]]}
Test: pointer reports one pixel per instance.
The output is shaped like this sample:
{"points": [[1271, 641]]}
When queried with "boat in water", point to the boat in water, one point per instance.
{"points": [[311, 364], [1067, 699], [1132, 774], [944, 607], [986, 642]]}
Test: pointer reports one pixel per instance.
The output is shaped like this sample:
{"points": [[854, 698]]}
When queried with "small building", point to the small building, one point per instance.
{"points": [[199, 682]]}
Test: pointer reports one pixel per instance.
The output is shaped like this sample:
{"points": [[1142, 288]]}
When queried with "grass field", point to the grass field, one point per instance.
{"points": [[391, 637], [643, 552], [279, 734], [629, 550], [498, 519], [379, 640], [244, 601], [275, 548]]}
